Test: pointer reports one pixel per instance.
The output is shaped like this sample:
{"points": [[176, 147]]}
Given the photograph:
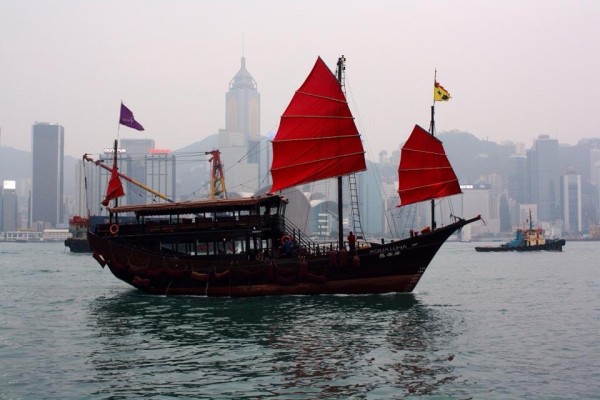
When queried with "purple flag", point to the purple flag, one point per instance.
{"points": [[128, 120]]}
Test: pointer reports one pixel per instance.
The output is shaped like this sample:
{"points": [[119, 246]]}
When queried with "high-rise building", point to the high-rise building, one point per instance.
{"points": [[517, 178], [570, 196], [370, 201], [544, 175], [594, 165], [47, 142], [9, 213], [239, 141], [133, 163], [148, 166]]}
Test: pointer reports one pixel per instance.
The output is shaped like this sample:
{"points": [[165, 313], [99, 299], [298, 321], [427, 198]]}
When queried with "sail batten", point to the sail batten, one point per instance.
{"points": [[424, 172], [317, 138], [321, 96], [316, 116], [322, 159]]}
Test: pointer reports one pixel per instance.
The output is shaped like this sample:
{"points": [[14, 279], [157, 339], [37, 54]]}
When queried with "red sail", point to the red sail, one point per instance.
{"points": [[114, 189], [424, 172], [317, 138]]}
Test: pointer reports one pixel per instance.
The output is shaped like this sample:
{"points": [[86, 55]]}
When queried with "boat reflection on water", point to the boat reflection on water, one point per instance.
{"points": [[315, 346]]}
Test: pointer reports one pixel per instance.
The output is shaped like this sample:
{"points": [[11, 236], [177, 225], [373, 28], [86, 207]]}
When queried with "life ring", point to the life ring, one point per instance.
{"points": [[114, 229], [285, 238]]}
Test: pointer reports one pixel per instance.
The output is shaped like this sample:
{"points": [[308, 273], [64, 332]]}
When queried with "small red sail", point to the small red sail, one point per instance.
{"points": [[424, 172], [114, 189], [317, 138]]}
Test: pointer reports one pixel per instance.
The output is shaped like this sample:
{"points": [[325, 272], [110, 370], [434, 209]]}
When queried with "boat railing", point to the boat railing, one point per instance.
{"points": [[150, 226], [306, 245]]}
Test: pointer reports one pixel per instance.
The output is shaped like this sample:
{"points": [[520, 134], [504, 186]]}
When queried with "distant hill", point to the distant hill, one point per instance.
{"points": [[14, 164], [473, 158]]}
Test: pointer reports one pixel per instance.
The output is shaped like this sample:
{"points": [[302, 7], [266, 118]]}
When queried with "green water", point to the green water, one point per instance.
{"points": [[479, 326]]}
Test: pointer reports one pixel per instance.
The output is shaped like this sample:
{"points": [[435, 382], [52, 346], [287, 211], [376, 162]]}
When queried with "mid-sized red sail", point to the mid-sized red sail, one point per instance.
{"points": [[424, 172], [317, 137]]}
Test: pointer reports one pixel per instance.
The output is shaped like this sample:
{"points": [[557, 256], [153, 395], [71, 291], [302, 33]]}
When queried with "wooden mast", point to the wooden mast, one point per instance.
{"points": [[432, 132], [341, 66]]}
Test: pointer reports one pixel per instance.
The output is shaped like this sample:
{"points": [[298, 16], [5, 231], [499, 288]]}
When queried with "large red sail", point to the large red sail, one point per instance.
{"points": [[317, 138], [424, 172]]}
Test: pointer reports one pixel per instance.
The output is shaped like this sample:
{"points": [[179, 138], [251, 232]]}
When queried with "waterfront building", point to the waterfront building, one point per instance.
{"points": [[370, 201], [477, 200], [544, 176], [517, 179], [47, 143], [570, 196], [153, 167], [594, 165], [9, 214]]}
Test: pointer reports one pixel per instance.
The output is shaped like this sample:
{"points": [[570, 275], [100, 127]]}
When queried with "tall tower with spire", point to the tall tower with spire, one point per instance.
{"points": [[242, 112], [238, 142]]}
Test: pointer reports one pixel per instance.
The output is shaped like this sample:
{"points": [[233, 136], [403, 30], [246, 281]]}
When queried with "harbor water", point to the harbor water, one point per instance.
{"points": [[478, 326]]}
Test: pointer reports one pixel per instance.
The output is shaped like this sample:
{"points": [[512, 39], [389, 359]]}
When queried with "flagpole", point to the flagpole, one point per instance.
{"points": [[432, 132], [432, 123], [119, 123], [116, 146]]}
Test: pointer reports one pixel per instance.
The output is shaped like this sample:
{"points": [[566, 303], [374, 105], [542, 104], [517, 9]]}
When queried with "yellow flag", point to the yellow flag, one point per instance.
{"points": [[440, 94]]}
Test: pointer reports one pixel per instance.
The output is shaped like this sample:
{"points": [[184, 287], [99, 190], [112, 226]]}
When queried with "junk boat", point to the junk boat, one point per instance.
{"points": [[247, 247]]}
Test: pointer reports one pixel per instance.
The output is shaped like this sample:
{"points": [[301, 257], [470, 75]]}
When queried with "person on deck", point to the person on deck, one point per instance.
{"points": [[287, 247], [351, 241]]}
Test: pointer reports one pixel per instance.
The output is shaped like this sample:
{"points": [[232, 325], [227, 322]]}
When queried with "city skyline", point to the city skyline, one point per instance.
{"points": [[514, 70], [500, 179]]}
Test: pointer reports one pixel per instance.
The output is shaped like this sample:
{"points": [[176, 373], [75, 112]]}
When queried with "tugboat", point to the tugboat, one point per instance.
{"points": [[527, 239], [78, 242]]}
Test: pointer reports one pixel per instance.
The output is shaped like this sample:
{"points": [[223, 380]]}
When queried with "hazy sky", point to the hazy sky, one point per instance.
{"points": [[515, 69]]}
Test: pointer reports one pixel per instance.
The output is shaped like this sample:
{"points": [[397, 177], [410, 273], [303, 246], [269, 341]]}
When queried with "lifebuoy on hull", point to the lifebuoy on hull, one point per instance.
{"points": [[114, 229]]}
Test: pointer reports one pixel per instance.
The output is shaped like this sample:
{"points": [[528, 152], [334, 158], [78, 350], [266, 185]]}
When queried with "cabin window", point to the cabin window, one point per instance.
{"points": [[239, 246], [202, 248]]}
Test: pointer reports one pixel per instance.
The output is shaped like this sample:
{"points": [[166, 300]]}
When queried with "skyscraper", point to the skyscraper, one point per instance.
{"points": [[542, 160], [570, 195], [47, 142], [238, 142], [8, 207], [242, 113]]}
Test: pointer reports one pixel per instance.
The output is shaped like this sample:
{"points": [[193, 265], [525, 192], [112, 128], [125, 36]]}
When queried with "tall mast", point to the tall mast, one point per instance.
{"points": [[432, 132], [115, 165], [341, 67]]}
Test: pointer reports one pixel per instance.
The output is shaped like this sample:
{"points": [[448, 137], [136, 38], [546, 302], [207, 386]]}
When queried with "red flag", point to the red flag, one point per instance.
{"points": [[114, 188]]}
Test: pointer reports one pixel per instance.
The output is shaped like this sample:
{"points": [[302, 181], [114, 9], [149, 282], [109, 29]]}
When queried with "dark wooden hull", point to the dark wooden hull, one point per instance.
{"points": [[78, 245], [393, 267], [550, 245]]}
